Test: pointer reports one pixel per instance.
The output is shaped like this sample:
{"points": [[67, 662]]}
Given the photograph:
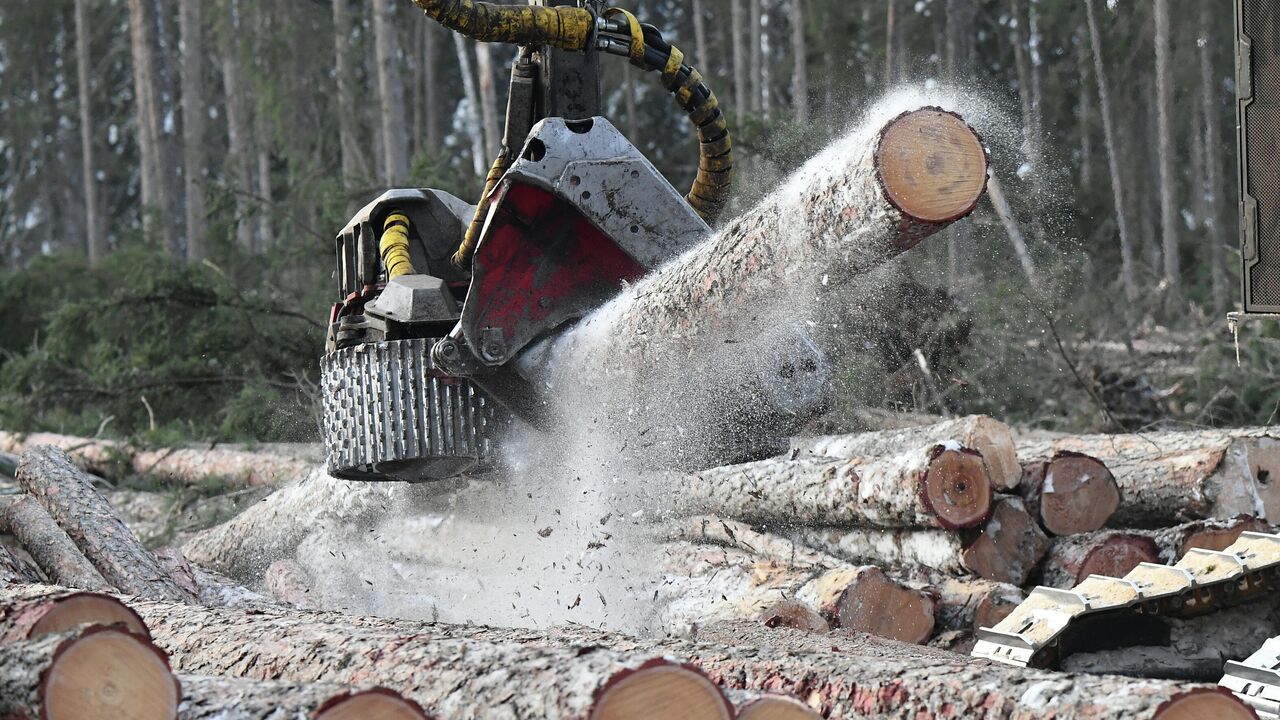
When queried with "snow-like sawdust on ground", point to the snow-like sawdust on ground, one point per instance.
{"points": [[565, 532]]}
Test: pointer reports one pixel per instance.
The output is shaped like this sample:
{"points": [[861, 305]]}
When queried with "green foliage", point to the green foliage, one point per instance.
{"points": [[144, 344]]}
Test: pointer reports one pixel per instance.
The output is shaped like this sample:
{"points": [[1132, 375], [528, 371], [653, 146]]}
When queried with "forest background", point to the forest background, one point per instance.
{"points": [[172, 174]]}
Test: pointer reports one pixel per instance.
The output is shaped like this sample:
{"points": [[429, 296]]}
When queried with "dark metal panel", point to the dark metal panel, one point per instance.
{"points": [[571, 80], [1258, 141]]}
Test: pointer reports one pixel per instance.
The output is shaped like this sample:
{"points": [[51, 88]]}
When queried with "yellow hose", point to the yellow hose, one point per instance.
{"points": [[394, 246], [462, 257], [567, 28]]}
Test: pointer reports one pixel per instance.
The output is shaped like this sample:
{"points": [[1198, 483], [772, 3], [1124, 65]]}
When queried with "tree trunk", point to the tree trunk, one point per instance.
{"points": [[741, 89], [234, 468], [98, 673], [239, 128], [1007, 550], [49, 545], [230, 698], [1000, 203], [1113, 553], [866, 678], [68, 495], [800, 69], [891, 71], [1167, 477], [863, 201], [395, 157], [755, 37], [353, 160], [1168, 181], [488, 98], [1128, 276], [155, 189], [700, 35], [1070, 493], [474, 126], [1084, 108], [28, 612], [195, 115], [991, 438], [431, 90], [1210, 97], [928, 487], [95, 232]]}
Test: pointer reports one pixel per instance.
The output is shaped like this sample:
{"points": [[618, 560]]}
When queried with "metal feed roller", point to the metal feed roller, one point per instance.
{"points": [[1256, 680], [1202, 581]]}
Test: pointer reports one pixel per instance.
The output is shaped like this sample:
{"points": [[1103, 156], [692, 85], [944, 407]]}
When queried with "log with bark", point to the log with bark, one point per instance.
{"points": [[796, 615], [857, 676], [1070, 492], [13, 569], [243, 547], [287, 582], [775, 707], [51, 548], [991, 438], [99, 673], [233, 698], [68, 494], [1218, 534], [100, 457], [890, 183], [930, 486], [31, 611], [1006, 550], [1166, 477], [208, 587], [1113, 553], [722, 584]]}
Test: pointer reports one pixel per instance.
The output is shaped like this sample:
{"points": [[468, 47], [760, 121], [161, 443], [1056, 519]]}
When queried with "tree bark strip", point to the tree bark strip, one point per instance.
{"points": [[395, 145], [95, 233], [67, 493], [232, 698], [49, 545], [991, 438], [195, 116], [866, 678], [13, 570]]}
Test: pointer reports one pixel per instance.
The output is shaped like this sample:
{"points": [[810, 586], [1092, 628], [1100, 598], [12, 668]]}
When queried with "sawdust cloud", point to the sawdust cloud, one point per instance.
{"points": [[569, 530]]}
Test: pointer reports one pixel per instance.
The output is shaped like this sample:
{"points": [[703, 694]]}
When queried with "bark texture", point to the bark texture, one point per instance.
{"points": [[12, 570], [233, 698], [1113, 553], [49, 545], [67, 493], [95, 237], [30, 611], [851, 677], [991, 438], [1167, 478], [927, 487], [395, 145], [195, 116], [287, 582]]}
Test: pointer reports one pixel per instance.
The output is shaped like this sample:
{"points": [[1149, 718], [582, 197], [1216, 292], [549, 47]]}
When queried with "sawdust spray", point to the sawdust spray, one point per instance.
{"points": [[571, 528]]}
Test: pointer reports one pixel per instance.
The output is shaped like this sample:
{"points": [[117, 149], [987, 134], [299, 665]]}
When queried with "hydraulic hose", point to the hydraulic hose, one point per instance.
{"points": [[624, 35], [394, 246], [567, 28]]}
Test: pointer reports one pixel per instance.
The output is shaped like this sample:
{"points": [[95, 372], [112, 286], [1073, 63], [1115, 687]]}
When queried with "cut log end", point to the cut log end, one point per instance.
{"points": [[1010, 546], [794, 614], [375, 704], [1117, 556], [1078, 495], [776, 707], [661, 689], [957, 488], [107, 674], [1204, 704], [81, 609], [932, 165], [1218, 538], [877, 605]]}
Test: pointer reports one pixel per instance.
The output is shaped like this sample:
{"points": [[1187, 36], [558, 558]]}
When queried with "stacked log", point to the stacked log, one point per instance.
{"points": [[1070, 492], [29, 611], [855, 676], [234, 698], [49, 545]]}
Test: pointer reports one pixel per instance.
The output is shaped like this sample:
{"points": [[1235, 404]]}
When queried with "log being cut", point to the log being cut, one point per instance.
{"points": [[99, 673], [931, 486], [551, 673], [68, 494], [866, 199], [991, 438]]}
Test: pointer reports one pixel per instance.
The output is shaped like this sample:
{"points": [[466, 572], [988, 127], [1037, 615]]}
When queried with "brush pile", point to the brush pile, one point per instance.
{"points": [[843, 579]]}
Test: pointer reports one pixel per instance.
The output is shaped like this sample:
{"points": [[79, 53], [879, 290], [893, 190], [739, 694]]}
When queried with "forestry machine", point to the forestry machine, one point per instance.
{"points": [[1102, 613], [438, 298]]}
